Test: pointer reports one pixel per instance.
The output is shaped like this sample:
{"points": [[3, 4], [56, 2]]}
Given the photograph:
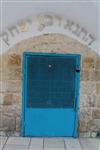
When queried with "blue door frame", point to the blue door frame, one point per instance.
{"points": [[50, 121]]}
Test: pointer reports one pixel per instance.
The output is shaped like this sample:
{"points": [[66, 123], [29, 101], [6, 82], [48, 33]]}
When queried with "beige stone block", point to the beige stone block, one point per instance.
{"points": [[13, 86], [2, 86], [98, 88], [83, 101], [8, 98], [85, 114], [14, 59], [98, 101], [18, 110], [1, 120], [1, 98], [85, 75], [95, 75], [88, 62], [18, 124], [9, 110], [3, 64], [94, 125], [83, 126], [17, 98], [97, 65], [3, 61], [88, 88], [2, 75], [92, 101], [13, 73], [10, 86], [87, 101], [8, 123], [96, 114], [1, 109]]}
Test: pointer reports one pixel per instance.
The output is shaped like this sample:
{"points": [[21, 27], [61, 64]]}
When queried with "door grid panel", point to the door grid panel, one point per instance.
{"points": [[51, 82]]}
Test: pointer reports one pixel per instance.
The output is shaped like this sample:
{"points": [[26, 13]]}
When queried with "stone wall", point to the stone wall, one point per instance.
{"points": [[11, 80]]}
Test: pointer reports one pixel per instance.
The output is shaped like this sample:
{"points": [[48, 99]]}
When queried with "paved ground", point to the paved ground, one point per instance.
{"points": [[19, 143]]}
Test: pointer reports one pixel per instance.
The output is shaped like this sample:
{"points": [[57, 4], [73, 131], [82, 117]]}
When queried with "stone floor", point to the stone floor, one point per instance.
{"points": [[19, 143]]}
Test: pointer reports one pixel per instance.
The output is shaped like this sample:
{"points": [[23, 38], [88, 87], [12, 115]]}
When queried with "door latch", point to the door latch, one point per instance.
{"points": [[77, 69]]}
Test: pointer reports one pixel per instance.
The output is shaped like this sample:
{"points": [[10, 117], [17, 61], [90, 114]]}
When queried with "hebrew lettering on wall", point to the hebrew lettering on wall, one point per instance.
{"points": [[47, 21]]}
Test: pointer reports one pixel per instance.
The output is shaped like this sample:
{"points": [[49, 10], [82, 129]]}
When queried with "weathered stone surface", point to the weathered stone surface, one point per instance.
{"points": [[1, 109], [93, 134], [8, 98], [8, 123], [14, 59], [17, 98], [18, 124], [3, 62], [84, 134], [9, 110], [10, 133], [87, 88], [94, 125], [18, 110], [98, 101], [87, 101], [83, 101], [13, 86], [92, 102], [10, 86], [95, 76], [2, 86], [13, 73], [98, 88], [3, 74], [97, 65], [85, 75], [83, 126], [85, 114], [88, 62], [1, 98], [96, 114]]}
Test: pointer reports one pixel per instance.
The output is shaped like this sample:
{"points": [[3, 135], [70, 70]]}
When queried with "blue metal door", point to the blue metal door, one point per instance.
{"points": [[50, 94]]}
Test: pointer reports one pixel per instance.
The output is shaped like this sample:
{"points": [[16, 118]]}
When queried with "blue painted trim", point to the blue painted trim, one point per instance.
{"points": [[23, 95], [50, 54], [77, 91], [24, 83]]}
